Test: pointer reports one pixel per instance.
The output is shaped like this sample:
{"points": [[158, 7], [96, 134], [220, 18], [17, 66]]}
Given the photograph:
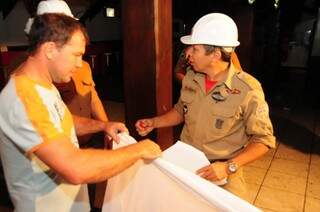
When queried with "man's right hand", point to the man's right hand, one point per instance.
{"points": [[144, 126], [148, 149]]}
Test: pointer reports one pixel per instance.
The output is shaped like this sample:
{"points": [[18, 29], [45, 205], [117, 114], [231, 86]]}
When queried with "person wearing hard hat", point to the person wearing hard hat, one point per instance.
{"points": [[224, 111]]}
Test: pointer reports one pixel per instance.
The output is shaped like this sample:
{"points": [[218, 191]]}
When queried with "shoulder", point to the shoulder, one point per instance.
{"points": [[86, 66], [189, 77], [248, 81], [84, 73], [190, 73]]}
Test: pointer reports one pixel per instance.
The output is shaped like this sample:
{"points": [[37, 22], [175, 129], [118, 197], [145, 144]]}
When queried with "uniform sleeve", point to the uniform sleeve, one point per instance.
{"points": [[185, 96], [258, 123]]}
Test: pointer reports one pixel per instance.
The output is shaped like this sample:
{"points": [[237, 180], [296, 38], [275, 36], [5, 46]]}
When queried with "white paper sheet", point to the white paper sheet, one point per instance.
{"points": [[187, 157], [168, 184]]}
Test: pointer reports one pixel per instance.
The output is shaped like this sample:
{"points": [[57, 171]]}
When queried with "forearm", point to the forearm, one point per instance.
{"points": [[171, 118], [251, 152], [78, 166], [85, 126], [103, 163]]}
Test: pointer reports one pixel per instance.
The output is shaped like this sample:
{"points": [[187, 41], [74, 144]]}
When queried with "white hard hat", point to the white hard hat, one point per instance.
{"points": [[215, 29], [50, 6]]}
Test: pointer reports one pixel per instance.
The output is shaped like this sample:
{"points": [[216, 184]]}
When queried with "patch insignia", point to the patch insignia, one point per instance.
{"points": [[233, 91], [185, 109], [219, 123], [218, 96], [262, 111]]}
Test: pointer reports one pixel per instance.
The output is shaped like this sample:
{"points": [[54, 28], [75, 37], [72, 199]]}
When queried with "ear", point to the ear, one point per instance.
{"points": [[50, 49], [217, 54]]}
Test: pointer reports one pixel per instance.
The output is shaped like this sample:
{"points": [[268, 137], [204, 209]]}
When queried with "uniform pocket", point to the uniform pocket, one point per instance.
{"points": [[224, 119]]}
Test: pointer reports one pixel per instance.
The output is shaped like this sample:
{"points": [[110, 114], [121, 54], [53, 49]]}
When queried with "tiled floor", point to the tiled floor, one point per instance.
{"points": [[286, 178]]}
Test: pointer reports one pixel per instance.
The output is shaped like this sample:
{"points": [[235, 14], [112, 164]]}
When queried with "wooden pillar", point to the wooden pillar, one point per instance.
{"points": [[147, 63]]}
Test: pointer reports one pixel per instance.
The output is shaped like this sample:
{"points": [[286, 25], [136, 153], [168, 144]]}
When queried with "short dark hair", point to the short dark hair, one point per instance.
{"points": [[225, 56], [53, 27]]}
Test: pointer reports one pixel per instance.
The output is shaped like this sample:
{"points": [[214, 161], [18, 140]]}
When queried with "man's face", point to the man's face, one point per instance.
{"points": [[198, 58], [68, 58]]}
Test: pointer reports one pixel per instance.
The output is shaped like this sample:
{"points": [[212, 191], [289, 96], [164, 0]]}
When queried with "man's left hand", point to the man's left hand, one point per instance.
{"points": [[214, 172], [113, 128]]}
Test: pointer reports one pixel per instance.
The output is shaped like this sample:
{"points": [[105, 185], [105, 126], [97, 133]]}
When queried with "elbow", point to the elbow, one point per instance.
{"points": [[75, 177], [75, 180]]}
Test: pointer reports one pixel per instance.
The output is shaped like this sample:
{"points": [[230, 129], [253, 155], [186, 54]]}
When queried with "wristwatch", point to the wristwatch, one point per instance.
{"points": [[232, 166]]}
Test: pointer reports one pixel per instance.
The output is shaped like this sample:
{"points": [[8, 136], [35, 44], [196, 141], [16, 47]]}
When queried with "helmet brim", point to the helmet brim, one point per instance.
{"points": [[187, 40]]}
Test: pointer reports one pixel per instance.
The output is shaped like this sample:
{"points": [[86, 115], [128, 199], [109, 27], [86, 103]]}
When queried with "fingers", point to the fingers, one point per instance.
{"points": [[113, 128], [202, 169], [209, 175], [144, 126], [122, 128], [206, 172], [213, 172], [150, 150], [107, 141], [114, 136]]}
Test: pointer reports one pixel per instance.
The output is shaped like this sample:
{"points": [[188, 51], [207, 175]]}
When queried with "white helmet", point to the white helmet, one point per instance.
{"points": [[50, 6], [215, 29]]}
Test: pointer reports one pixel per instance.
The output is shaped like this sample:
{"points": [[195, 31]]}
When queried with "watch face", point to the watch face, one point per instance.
{"points": [[232, 167]]}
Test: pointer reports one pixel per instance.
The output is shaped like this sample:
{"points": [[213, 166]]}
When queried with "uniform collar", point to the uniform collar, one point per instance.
{"points": [[200, 77], [231, 72]]}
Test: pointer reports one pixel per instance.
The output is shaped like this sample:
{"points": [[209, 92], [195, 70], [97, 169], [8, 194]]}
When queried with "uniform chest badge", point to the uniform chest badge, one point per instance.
{"points": [[220, 94]]}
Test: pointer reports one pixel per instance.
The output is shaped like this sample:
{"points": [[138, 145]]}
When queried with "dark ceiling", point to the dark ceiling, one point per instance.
{"points": [[93, 6], [181, 8]]}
